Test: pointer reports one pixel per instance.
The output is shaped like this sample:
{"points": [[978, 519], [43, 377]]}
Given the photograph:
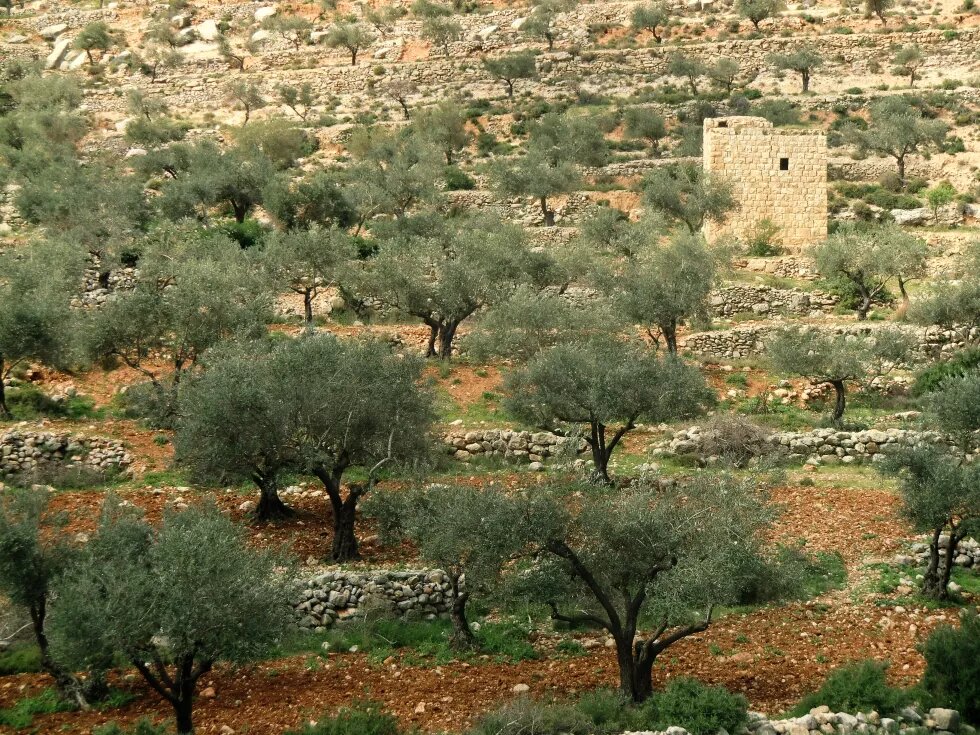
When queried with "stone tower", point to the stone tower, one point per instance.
{"points": [[777, 175]]}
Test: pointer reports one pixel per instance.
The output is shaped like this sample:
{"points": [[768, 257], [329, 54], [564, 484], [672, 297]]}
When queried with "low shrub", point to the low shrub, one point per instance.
{"points": [[361, 718], [458, 180], [698, 708], [858, 687], [952, 676], [962, 363]]}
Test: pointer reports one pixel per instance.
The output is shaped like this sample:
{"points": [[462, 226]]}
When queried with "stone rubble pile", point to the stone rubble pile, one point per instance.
{"points": [[816, 447], [24, 450], [517, 446], [821, 721], [334, 596]]}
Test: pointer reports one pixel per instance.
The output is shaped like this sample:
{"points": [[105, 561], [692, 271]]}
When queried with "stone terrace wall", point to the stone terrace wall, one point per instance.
{"points": [[819, 446], [24, 451], [326, 598], [933, 343], [762, 300], [517, 446]]}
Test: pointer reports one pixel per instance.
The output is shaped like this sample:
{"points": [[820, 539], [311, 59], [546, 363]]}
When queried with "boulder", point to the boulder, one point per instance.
{"points": [[50, 33], [207, 31], [264, 13], [57, 54]]}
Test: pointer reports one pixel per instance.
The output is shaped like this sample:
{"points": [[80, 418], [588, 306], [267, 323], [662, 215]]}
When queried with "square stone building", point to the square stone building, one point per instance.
{"points": [[777, 175]]}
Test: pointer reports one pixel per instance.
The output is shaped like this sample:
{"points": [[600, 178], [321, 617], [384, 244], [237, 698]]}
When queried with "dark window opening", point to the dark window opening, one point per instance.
{"points": [[723, 124], [784, 164]]}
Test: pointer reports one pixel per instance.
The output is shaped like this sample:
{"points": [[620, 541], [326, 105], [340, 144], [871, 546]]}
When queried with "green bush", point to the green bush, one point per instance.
{"points": [[458, 180], [362, 718], [859, 687], [27, 402], [929, 380], [952, 677], [698, 708], [247, 234]]}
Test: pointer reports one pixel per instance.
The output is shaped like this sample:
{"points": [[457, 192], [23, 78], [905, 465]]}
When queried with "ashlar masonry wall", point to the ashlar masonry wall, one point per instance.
{"points": [[777, 175]]}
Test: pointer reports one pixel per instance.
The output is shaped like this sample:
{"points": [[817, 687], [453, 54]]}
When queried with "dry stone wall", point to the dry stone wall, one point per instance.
{"points": [[334, 596], [777, 175], [932, 343], [762, 300], [816, 447], [24, 451], [516, 446]]}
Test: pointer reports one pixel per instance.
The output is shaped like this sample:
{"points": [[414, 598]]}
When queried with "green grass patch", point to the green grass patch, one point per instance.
{"points": [[414, 642], [24, 658], [21, 715], [27, 402]]}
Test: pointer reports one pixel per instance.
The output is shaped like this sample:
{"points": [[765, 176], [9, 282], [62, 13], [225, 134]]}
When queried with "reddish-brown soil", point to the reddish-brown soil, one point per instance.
{"points": [[773, 655]]}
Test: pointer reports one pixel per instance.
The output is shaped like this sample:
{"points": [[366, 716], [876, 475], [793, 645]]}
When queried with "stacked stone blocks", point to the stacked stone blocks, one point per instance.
{"points": [[777, 175]]}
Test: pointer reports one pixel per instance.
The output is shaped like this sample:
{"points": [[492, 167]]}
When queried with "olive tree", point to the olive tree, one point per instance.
{"points": [[293, 29], [466, 532], [511, 67], [36, 322], [687, 194], [302, 203], [838, 359], [557, 146], [541, 22], [757, 11], [665, 285], [650, 17], [801, 61], [172, 601], [308, 261], [445, 277], [688, 68], [898, 129], [444, 125], [96, 36], [870, 259], [240, 388], [356, 405], [299, 99], [941, 496], [394, 173], [350, 36], [601, 382], [908, 60], [724, 73], [202, 178], [663, 557], [245, 96], [194, 291], [956, 406], [878, 8], [441, 32], [33, 553], [646, 123]]}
